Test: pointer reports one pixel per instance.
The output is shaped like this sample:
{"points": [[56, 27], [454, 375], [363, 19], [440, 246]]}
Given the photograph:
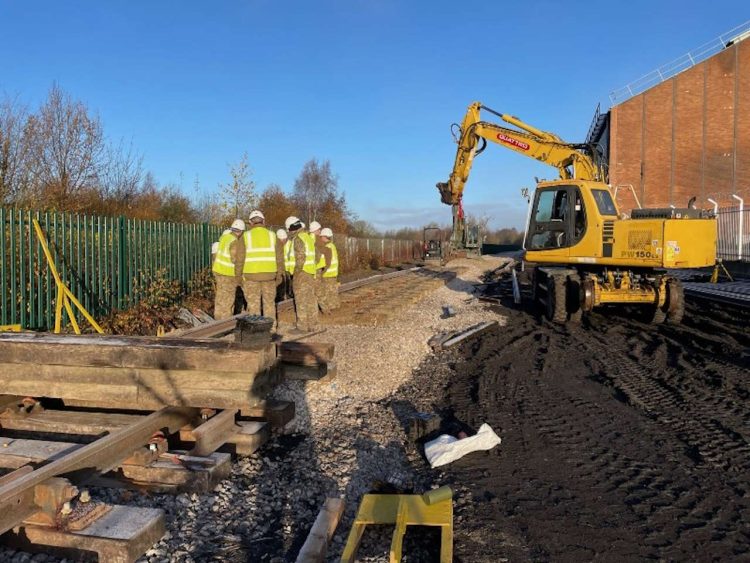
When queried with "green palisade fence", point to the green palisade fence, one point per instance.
{"points": [[106, 261]]}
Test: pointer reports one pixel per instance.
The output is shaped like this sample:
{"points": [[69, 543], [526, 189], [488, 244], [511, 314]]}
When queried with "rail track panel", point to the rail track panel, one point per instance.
{"points": [[366, 303], [92, 424]]}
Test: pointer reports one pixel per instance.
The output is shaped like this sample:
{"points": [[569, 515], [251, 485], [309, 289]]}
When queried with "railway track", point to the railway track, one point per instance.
{"points": [[733, 293], [50, 450]]}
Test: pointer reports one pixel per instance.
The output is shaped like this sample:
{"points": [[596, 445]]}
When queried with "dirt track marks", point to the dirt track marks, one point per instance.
{"points": [[621, 440]]}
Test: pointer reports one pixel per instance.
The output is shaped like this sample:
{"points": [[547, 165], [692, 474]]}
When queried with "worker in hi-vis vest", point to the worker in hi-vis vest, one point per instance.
{"points": [[299, 259], [261, 274], [328, 272], [227, 269]]}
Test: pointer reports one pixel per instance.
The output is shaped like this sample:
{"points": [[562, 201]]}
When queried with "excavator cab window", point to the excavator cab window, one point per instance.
{"points": [[558, 219], [604, 202]]}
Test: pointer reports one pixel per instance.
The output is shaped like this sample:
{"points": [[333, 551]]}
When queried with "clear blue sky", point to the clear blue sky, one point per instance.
{"points": [[371, 85]]}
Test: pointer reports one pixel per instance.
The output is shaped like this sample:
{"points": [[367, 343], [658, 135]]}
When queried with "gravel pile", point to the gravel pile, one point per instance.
{"points": [[348, 436]]}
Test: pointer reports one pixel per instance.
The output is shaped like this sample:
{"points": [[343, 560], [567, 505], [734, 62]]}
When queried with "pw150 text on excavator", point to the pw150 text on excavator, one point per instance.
{"points": [[581, 251]]}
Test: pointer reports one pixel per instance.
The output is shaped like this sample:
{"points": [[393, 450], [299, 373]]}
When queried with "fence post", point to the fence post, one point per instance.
{"points": [[206, 248], [741, 226], [121, 253]]}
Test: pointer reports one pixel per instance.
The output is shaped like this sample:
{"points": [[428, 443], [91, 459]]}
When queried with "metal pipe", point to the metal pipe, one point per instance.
{"points": [[715, 204], [741, 226]]}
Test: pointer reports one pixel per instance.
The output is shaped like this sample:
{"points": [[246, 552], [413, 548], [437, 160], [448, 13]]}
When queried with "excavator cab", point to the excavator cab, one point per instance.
{"points": [[558, 218]]}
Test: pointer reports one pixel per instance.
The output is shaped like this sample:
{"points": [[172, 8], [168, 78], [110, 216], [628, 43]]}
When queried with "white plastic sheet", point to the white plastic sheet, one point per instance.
{"points": [[445, 448]]}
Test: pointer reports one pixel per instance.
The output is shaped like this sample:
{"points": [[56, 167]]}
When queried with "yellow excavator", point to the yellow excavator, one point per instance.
{"points": [[582, 252]]}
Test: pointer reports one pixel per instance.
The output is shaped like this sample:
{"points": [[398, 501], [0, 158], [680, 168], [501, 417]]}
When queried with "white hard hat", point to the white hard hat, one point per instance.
{"points": [[215, 248], [238, 225], [281, 234], [292, 221], [326, 233], [314, 226], [257, 213]]}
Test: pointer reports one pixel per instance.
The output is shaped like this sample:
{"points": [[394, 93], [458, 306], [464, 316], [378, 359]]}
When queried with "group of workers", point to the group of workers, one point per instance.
{"points": [[297, 261]]}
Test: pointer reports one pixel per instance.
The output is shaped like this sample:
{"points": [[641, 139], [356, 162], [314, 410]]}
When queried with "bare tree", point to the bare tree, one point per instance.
{"points": [[14, 148], [66, 148], [238, 197], [121, 174], [315, 185]]}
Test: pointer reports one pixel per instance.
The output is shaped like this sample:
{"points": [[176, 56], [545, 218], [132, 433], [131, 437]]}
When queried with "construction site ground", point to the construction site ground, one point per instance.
{"points": [[620, 440]]}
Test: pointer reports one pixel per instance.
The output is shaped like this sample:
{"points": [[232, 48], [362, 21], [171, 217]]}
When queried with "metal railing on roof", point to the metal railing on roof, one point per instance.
{"points": [[680, 64]]}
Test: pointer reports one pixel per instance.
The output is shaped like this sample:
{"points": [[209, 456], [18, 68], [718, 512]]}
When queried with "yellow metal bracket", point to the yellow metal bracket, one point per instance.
{"points": [[718, 268], [10, 328], [64, 295], [434, 508]]}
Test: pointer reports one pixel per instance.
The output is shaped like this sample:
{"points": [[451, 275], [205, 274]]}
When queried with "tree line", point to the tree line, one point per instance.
{"points": [[57, 157]]}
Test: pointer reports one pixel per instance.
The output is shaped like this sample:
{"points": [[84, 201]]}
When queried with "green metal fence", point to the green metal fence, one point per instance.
{"points": [[106, 261]]}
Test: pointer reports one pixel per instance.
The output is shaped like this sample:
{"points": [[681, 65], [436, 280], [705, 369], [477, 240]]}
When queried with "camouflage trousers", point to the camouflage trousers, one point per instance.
{"points": [[260, 297], [226, 289], [327, 293], [305, 302]]}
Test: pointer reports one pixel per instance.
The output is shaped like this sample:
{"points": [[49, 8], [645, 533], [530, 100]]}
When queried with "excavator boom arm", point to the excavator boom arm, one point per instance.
{"points": [[571, 161]]}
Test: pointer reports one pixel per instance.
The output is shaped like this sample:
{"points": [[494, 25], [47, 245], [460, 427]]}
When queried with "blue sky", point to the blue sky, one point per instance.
{"points": [[372, 85]]}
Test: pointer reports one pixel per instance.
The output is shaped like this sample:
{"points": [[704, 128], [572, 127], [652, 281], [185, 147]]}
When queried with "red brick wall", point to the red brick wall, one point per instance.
{"points": [[742, 113], [687, 177], [657, 145], [688, 136], [625, 150]]}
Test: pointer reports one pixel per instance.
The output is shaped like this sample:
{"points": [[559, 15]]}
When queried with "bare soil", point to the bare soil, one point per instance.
{"points": [[621, 440]]}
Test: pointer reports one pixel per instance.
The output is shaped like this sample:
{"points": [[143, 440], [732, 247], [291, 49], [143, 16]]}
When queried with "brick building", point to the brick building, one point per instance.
{"points": [[688, 135]]}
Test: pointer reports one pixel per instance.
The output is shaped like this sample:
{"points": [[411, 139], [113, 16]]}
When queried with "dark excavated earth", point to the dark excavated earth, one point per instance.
{"points": [[622, 441]]}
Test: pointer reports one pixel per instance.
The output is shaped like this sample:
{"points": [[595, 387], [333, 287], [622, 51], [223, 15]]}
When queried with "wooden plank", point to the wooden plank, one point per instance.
{"points": [[316, 545], [305, 353], [305, 373], [277, 413], [122, 535], [132, 352], [246, 440], [139, 389], [213, 433], [173, 471], [68, 422], [99, 456], [15, 453]]}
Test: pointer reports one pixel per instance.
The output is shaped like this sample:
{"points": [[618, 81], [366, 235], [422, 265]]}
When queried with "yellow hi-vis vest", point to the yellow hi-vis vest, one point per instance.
{"points": [[260, 251], [289, 256], [223, 264], [333, 268], [289, 260]]}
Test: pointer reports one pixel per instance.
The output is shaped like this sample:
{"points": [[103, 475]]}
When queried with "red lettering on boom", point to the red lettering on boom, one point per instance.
{"points": [[511, 141]]}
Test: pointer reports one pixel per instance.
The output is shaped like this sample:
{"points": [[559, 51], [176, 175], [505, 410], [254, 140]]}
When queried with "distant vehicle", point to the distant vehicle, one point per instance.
{"points": [[432, 244]]}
